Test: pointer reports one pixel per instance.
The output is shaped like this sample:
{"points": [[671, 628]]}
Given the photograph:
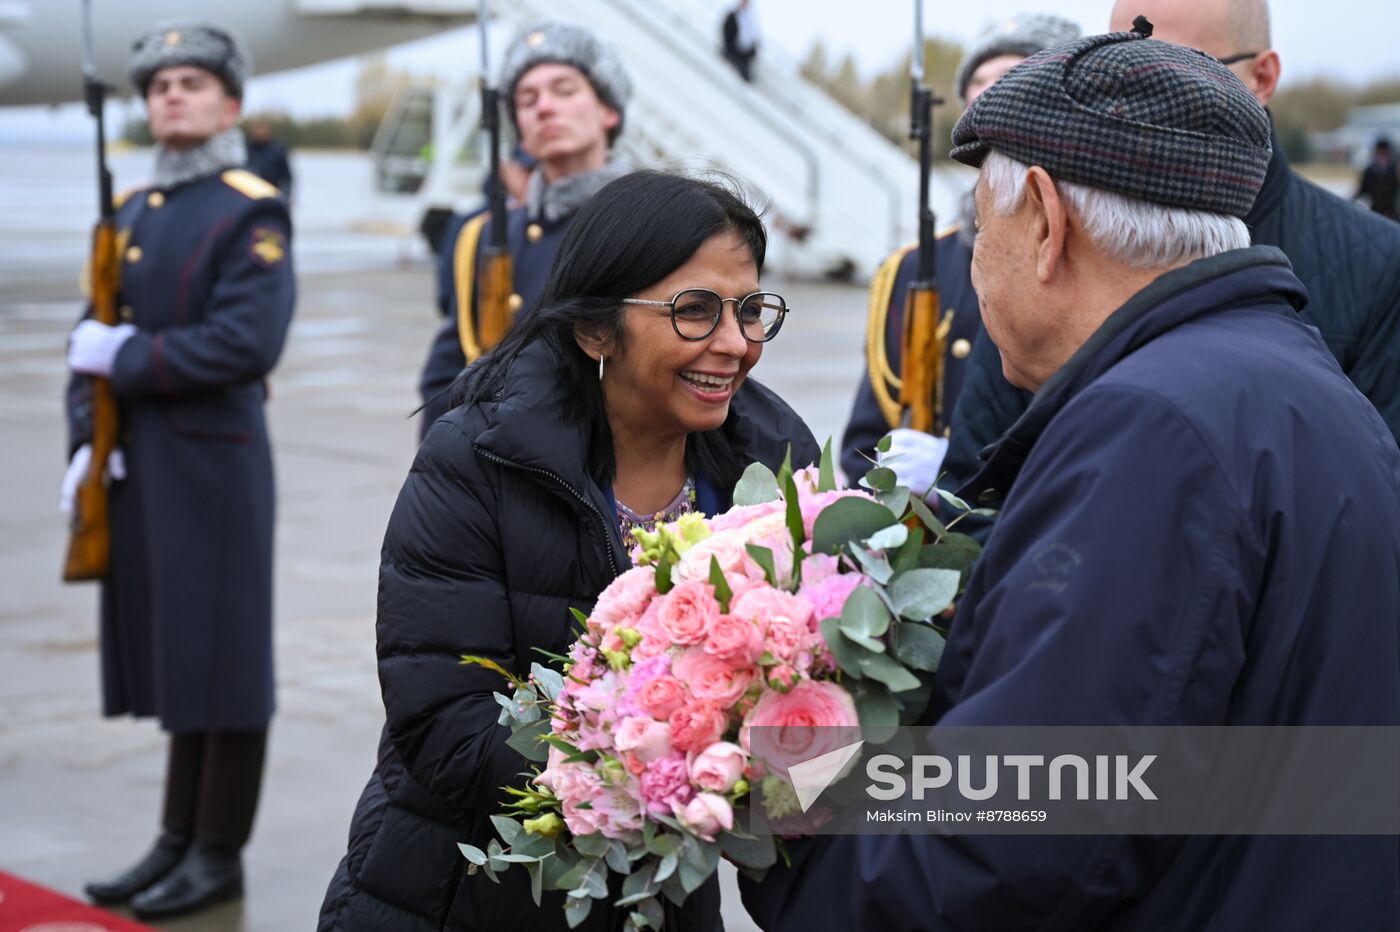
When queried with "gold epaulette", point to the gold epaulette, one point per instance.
{"points": [[464, 282], [248, 184]]}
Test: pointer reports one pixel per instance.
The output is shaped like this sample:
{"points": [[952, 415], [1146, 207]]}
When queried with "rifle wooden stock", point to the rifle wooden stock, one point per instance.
{"points": [[921, 360], [90, 535], [494, 298]]}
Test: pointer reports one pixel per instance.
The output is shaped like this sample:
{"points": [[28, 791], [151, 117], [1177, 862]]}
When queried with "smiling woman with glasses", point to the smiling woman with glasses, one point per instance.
{"points": [[622, 399]]}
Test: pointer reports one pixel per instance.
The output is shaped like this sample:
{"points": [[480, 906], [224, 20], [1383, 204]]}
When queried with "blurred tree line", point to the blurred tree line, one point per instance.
{"points": [[1301, 108], [375, 88]]}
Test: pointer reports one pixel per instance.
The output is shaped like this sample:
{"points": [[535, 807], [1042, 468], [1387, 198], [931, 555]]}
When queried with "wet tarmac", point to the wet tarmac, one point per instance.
{"points": [[79, 795]]}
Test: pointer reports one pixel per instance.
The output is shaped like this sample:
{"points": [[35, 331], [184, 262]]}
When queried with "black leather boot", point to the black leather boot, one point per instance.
{"points": [[158, 862], [209, 873]]}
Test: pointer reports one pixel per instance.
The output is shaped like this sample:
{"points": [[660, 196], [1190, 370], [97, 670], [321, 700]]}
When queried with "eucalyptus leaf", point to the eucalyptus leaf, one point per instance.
{"points": [[889, 671], [508, 829], [896, 500], [923, 593], [927, 517], [591, 846], [673, 890], [907, 556], [536, 870], [749, 850], [919, 646], [667, 867], [880, 479], [888, 538], [697, 865], [616, 858], [864, 613], [756, 486], [845, 653], [550, 681], [847, 519], [652, 912], [527, 741], [952, 499], [826, 475], [588, 878], [876, 706], [884, 444], [576, 909], [639, 885], [876, 566], [472, 853]]}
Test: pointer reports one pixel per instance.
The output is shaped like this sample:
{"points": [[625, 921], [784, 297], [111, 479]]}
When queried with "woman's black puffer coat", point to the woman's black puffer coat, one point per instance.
{"points": [[497, 532]]}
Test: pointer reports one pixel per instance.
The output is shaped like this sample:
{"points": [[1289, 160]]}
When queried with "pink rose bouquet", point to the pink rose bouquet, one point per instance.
{"points": [[802, 611]]}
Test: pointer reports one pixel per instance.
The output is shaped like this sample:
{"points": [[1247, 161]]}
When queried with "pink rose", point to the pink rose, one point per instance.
{"points": [[817, 567], [782, 677], [707, 677], [718, 767], [727, 549], [785, 619], [655, 641], [665, 784], [687, 612], [625, 598], [697, 726], [735, 640], [812, 719], [706, 815], [662, 696], [646, 738], [745, 515]]}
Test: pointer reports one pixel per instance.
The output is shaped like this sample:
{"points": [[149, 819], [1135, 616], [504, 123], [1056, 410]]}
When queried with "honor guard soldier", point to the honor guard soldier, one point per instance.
{"points": [[877, 409], [206, 295], [565, 91]]}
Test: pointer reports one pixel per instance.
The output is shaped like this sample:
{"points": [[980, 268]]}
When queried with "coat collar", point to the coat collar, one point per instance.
{"points": [[1258, 275]]}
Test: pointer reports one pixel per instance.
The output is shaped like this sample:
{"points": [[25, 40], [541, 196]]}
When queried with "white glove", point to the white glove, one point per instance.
{"points": [[92, 348], [77, 469], [916, 458]]}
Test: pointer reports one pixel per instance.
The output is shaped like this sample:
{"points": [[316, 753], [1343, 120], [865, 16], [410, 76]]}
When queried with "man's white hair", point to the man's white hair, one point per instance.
{"points": [[1137, 233]]}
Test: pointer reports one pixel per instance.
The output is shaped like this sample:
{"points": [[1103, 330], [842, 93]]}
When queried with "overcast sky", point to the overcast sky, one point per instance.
{"points": [[1355, 40]]}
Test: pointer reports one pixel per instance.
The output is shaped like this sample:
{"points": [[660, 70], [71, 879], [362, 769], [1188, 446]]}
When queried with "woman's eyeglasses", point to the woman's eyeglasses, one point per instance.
{"points": [[695, 313]]}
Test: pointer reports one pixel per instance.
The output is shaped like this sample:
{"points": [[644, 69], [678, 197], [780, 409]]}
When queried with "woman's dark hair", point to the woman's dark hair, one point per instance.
{"points": [[630, 235]]}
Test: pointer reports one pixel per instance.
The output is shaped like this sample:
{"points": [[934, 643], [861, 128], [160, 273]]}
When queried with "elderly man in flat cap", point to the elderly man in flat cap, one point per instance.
{"points": [[1349, 261], [1201, 523], [205, 301], [565, 91]]}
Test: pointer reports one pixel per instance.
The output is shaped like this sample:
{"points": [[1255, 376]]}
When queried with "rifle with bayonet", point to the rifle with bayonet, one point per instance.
{"points": [[496, 273], [90, 535], [921, 356]]}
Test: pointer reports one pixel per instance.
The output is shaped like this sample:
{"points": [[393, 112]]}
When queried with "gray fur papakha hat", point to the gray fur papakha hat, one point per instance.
{"points": [[1022, 35], [172, 43], [566, 44], [1127, 114]]}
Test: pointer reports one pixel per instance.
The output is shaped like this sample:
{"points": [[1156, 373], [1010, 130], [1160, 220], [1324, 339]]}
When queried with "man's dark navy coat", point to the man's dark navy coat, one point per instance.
{"points": [[1204, 529]]}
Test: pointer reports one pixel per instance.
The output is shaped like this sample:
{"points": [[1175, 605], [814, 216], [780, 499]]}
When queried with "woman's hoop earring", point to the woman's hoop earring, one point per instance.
{"points": [[601, 357]]}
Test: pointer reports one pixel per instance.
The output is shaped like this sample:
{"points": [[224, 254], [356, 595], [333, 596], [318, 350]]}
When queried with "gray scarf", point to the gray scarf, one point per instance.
{"points": [[554, 202], [175, 167]]}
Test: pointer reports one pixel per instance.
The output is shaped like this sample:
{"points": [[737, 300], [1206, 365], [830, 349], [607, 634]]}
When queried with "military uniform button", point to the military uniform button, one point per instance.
{"points": [[534, 232], [133, 254], [962, 349], [514, 302], [127, 314], [155, 200]]}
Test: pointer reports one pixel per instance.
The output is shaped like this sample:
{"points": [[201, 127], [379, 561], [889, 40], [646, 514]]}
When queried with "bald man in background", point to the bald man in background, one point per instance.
{"points": [[1349, 259]]}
